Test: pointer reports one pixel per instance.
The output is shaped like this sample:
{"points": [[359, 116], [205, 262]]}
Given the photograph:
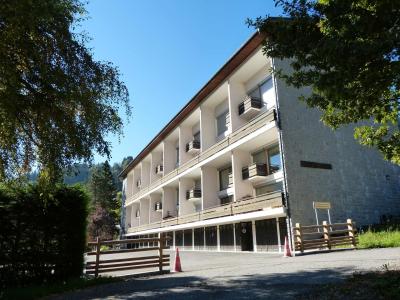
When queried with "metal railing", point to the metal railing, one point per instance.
{"points": [[255, 124], [249, 102], [270, 200]]}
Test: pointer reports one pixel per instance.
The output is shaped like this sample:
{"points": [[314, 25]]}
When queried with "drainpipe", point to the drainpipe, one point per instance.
{"points": [[281, 149]]}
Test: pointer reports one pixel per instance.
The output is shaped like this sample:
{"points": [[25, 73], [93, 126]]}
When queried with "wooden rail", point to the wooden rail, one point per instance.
{"points": [[270, 200], [324, 236], [127, 263]]}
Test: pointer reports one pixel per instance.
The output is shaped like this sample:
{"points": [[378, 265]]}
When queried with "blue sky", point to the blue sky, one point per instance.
{"points": [[166, 51]]}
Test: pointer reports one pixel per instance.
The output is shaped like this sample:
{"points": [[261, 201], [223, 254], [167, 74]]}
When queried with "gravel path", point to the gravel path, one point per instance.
{"points": [[210, 275]]}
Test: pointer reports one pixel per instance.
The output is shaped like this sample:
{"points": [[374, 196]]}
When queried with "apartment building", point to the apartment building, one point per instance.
{"points": [[244, 160]]}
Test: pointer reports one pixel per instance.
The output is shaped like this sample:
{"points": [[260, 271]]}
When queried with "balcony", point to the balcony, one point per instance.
{"points": [[250, 107], [158, 207], [262, 202], [255, 172], [193, 195], [193, 147], [159, 170]]}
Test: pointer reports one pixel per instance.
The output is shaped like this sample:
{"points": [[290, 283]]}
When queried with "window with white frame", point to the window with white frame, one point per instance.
{"points": [[265, 92], [222, 125], [225, 178]]}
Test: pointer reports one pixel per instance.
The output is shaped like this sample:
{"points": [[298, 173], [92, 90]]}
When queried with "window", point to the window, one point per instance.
{"points": [[196, 136], [269, 188], [271, 156], [222, 126], [274, 159], [225, 178], [265, 92], [260, 157], [177, 199]]}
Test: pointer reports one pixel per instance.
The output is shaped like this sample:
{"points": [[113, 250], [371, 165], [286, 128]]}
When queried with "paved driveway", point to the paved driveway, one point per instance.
{"points": [[210, 275]]}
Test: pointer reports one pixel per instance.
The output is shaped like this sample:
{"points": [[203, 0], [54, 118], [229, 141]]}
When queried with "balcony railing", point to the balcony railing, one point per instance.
{"points": [[271, 200], [193, 146], [254, 170], [193, 194], [159, 170], [250, 107], [235, 136]]}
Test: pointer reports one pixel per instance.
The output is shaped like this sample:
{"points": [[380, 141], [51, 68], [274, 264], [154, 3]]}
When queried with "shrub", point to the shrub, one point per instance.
{"points": [[42, 233]]}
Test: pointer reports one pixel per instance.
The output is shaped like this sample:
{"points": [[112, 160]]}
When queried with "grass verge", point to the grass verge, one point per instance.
{"points": [[380, 239], [373, 285], [38, 291]]}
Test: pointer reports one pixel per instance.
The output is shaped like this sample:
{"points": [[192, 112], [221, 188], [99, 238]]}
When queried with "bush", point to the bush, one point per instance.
{"points": [[42, 233]]}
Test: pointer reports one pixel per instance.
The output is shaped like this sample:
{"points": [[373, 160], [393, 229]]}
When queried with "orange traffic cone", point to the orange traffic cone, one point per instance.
{"points": [[178, 267], [286, 251]]}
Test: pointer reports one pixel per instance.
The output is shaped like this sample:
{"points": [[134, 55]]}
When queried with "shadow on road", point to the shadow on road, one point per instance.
{"points": [[229, 286]]}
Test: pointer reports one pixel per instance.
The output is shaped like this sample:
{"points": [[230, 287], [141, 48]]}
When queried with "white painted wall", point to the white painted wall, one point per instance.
{"points": [[185, 136], [169, 156], [242, 187], [237, 93], [209, 187], [156, 159], [185, 207], [155, 216], [144, 211], [133, 219], [145, 173], [169, 201], [208, 129]]}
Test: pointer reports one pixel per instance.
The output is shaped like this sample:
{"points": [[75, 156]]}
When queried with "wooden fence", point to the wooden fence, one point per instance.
{"points": [[325, 236], [100, 265]]}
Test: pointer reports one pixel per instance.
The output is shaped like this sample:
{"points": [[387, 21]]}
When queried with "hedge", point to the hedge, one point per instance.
{"points": [[42, 235]]}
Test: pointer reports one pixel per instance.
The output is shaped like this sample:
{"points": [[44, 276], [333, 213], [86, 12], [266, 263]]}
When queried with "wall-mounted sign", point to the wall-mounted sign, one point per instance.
{"points": [[322, 205]]}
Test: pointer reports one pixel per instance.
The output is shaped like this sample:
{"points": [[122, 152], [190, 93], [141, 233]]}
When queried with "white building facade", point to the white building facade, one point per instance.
{"points": [[244, 160]]}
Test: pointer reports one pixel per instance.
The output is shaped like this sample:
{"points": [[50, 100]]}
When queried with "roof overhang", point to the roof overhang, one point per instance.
{"points": [[222, 74]]}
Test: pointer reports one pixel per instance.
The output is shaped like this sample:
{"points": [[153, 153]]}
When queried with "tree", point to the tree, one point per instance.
{"points": [[103, 188], [101, 224], [348, 52], [57, 104]]}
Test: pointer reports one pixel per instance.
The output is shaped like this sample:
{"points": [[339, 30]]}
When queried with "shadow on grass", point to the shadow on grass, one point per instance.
{"points": [[229, 286]]}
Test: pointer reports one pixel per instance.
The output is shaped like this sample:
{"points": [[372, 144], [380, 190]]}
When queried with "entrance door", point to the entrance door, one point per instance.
{"points": [[246, 236]]}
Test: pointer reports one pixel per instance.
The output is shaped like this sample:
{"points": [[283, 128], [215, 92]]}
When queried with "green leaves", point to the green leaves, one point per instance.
{"points": [[57, 104], [349, 53]]}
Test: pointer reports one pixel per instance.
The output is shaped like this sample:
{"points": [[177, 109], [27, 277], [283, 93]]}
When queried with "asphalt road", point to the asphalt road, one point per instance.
{"points": [[210, 275]]}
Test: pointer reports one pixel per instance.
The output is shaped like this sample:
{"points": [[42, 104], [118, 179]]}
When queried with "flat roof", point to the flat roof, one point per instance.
{"points": [[219, 77]]}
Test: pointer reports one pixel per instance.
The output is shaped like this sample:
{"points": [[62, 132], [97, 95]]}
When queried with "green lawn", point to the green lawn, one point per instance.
{"points": [[39, 291], [380, 239]]}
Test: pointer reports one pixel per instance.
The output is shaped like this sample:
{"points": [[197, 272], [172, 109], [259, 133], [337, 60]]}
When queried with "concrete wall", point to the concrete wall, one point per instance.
{"points": [[361, 185], [185, 136], [185, 206], [156, 159], [133, 219], [145, 173], [154, 215], [144, 211], [169, 202], [207, 123], [242, 188], [169, 158], [237, 93], [209, 187]]}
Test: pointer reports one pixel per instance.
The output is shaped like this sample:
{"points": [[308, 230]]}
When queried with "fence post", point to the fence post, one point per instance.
{"points": [[326, 234], [350, 227], [299, 236], [160, 251], [96, 269]]}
